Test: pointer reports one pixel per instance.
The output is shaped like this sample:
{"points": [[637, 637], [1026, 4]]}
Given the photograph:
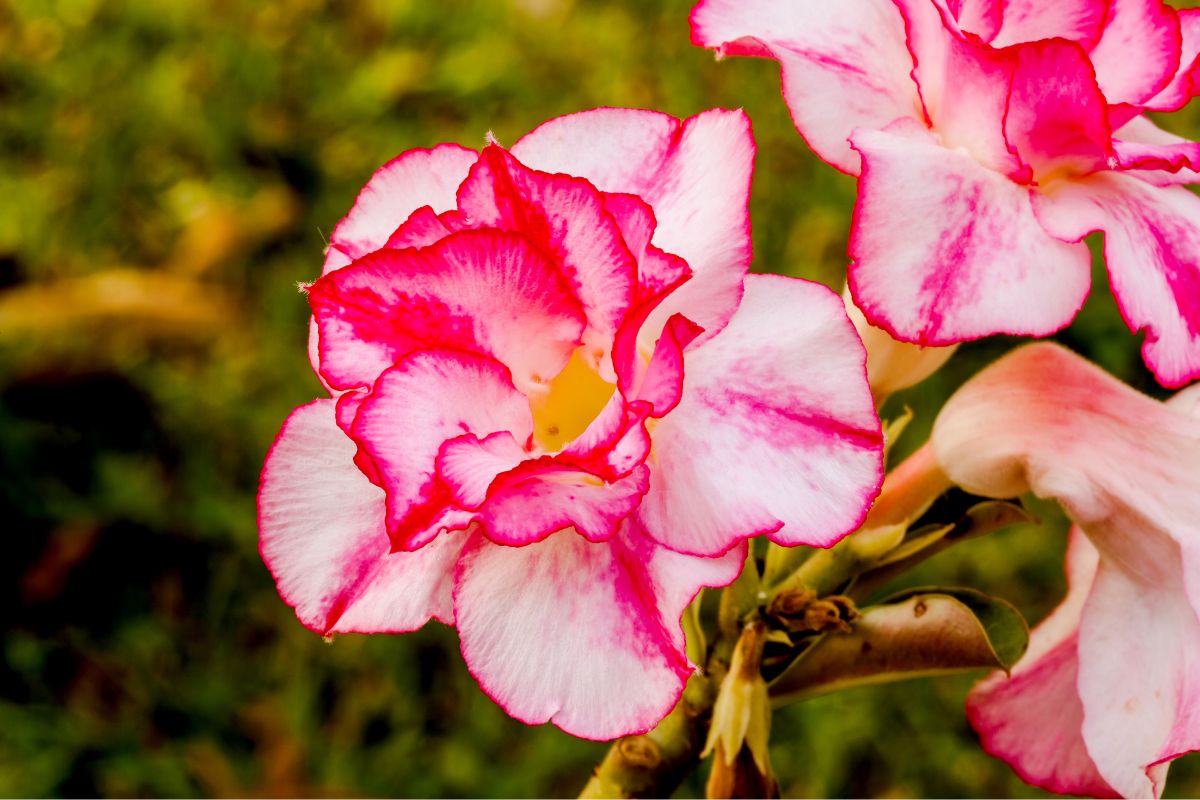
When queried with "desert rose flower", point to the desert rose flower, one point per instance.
{"points": [[559, 408], [990, 138], [1109, 691]]}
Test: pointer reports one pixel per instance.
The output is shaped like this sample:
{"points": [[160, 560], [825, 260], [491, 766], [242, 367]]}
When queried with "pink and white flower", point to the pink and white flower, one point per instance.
{"points": [[1109, 691], [559, 408], [990, 138]]}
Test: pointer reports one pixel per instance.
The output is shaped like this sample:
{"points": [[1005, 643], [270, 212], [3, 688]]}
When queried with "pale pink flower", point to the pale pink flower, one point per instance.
{"points": [[1109, 691], [560, 408], [990, 137]]}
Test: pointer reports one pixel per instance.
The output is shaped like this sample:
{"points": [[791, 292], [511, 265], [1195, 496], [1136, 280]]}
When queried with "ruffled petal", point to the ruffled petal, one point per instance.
{"points": [[695, 175], [483, 291], [428, 398], [583, 635], [411, 180], [946, 251], [566, 216], [1160, 157], [322, 535], [1057, 119], [1080, 21], [1183, 87], [1152, 246], [776, 432], [1139, 50], [964, 85], [660, 381], [844, 64], [540, 497], [980, 17]]}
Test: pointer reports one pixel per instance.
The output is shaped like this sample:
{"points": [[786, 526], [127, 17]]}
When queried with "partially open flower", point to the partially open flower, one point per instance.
{"points": [[1109, 691], [559, 409]]}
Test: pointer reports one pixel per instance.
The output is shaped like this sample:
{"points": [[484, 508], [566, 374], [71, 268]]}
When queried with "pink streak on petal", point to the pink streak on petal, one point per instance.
{"points": [[947, 251], [1152, 246], [322, 535], [482, 291], [776, 431]]}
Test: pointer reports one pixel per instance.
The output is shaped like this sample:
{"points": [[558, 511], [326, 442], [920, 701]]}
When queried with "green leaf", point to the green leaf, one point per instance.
{"points": [[921, 632], [1005, 628]]}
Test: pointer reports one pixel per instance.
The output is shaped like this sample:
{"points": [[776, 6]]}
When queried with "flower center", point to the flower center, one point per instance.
{"points": [[568, 404]]}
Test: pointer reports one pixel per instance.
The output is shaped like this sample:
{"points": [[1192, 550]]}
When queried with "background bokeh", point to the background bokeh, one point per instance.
{"points": [[168, 172]]}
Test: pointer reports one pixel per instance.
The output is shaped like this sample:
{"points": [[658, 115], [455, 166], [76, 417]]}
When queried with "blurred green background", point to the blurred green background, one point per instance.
{"points": [[168, 172]]}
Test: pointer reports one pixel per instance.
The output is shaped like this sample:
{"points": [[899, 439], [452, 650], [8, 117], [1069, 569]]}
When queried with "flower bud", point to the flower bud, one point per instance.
{"points": [[741, 723], [893, 365]]}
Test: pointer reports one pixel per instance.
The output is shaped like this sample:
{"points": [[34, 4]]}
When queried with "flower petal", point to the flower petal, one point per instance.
{"points": [[1139, 672], [1139, 50], [1160, 158], [1079, 21], [583, 635], [411, 180], [964, 85], [1152, 242], [566, 216], [1183, 87], [946, 251], [321, 524], [776, 432], [1033, 719], [538, 498], [428, 398], [482, 291], [980, 17], [695, 174], [1057, 119], [844, 64]]}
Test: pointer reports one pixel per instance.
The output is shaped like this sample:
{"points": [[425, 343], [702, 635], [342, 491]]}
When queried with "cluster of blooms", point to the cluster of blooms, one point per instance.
{"points": [[990, 137], [558, 405]]}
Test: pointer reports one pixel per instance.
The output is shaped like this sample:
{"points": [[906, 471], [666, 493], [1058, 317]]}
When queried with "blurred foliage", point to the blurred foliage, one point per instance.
{"points": [[166, 173]]}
